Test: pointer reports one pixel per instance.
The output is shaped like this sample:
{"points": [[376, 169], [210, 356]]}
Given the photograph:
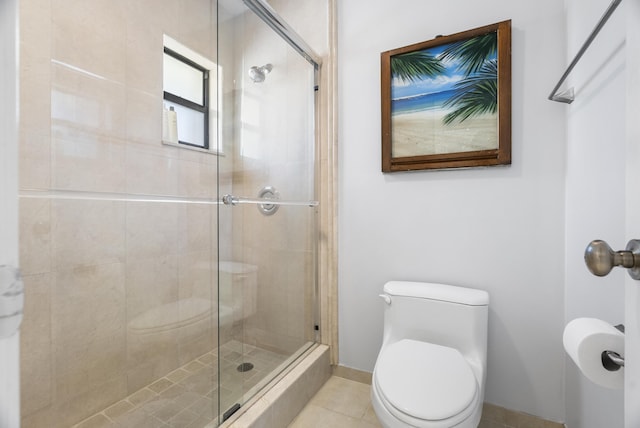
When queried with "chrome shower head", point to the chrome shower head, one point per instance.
{"points": [[258, 74]]}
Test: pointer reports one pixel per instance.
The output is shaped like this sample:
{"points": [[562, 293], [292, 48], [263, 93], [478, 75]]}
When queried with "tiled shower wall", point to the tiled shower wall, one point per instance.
{"points": [[91, 108]]}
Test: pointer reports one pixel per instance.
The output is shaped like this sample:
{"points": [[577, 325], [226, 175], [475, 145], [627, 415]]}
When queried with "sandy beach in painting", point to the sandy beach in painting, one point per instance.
{"points": [[424, 133]]}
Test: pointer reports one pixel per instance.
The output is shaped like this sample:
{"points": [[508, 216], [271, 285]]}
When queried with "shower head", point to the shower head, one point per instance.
{"points": [[258, 74]]}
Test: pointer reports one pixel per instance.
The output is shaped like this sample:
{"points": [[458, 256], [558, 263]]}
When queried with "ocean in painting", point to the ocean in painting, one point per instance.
{"points": [[432, 101]]}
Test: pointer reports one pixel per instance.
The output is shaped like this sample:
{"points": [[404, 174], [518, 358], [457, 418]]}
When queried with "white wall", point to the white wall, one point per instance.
{"points": [[9, 382], [632, 155], [499, 229], [595, 191]]}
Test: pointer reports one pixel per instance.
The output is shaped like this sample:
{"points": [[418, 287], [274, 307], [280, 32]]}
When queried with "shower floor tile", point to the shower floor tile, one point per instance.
{"points": [[188, 397]]}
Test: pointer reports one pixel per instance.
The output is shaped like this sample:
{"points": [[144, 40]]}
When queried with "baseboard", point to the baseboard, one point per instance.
{"points": [[495, 416], [352, 374]]}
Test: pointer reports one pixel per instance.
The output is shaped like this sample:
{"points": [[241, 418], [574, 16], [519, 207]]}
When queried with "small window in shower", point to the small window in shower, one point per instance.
{"points": [[189, 87]]}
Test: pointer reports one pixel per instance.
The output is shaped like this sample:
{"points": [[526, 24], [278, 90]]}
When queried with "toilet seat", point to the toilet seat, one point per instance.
{"points": [[171, 316], [424, 384]]}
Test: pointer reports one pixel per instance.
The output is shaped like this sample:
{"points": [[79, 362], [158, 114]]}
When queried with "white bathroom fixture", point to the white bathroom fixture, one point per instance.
{"points": [[430, 372]]}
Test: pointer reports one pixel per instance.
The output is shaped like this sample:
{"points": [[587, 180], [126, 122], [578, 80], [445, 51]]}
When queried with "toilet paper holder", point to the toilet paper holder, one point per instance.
{"points": [[611, 360]]}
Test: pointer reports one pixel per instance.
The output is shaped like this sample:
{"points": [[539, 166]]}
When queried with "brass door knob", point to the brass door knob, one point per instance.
{"points": [[600, 258]]}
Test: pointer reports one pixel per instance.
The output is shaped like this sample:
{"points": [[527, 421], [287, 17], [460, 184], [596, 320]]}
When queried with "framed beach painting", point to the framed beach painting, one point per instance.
{"points": [[446, 102]]}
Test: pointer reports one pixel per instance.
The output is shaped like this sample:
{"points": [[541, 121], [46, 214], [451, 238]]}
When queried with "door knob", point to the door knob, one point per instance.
{"points": [[600, 258]]}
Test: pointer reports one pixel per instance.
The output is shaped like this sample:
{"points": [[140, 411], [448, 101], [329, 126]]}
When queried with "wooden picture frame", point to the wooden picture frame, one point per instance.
{"points": [[446, 102]]}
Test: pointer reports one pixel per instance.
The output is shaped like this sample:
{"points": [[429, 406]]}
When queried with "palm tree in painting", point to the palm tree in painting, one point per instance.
{"points": [[414, 66], [477, 93]]}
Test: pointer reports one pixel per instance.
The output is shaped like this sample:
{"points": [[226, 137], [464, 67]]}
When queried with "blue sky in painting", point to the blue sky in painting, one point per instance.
{"points": [[429, 85]]}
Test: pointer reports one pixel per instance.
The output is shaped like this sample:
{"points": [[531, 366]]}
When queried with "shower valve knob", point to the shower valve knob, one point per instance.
{"points": [[600, 258]]}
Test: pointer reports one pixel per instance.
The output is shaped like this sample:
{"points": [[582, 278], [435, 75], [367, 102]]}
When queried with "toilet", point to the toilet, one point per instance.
{"points": [[430, 371]]}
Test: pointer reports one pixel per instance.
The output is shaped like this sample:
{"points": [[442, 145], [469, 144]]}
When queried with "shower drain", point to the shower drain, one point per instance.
{"points": [[245, 367]]}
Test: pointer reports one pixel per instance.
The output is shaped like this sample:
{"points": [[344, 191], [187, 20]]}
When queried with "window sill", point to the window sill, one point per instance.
{"points": [[195, 149]]}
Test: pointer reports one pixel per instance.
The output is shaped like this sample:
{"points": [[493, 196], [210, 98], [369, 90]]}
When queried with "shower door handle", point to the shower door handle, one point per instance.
{"points": [[600, 258], [230, 200]]}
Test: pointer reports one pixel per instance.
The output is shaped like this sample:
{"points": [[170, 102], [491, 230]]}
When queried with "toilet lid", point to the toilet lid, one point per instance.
{"points": [[424, 380], [171, 315]]}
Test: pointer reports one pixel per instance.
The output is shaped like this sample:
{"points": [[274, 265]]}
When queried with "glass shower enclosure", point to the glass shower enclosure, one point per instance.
{"points": [[168, 209], [267, 267]]}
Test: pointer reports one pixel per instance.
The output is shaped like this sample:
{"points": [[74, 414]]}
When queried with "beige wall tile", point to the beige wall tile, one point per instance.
{"points": [[35, 66], [164, 16], [87, 233], [150, 283], [144, 49], [35, 236], [39, 419], [35, 17], [87, 402], [196, 231], [35, 158], [196, 179], [82, 100], [197, 277], [90, 36], [88, 162], [35, 345], [150, 358], [144, 115], [196, 284], [89, 319], [197, 340], [150, 173], [199, 34], [152, 230], [35, 98]]}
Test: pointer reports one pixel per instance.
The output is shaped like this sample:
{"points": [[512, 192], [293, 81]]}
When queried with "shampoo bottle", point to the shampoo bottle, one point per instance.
{"points": [[172, 118], [165, 124]]}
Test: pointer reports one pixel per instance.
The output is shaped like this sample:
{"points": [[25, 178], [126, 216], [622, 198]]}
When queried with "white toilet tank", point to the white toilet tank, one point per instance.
{"points": [[442, 314]]}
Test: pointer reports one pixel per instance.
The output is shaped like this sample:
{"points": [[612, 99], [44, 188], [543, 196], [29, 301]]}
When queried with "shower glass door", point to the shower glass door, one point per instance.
{"points": [[118, 223], [167, 215], [267, 218]]}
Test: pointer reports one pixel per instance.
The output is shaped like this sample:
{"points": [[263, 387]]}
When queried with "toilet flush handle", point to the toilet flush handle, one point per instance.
{"points": [[386, 298]]}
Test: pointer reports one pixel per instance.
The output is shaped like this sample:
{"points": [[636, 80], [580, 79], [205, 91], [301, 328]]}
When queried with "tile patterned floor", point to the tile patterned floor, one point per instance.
{"points": [[188, 397], [339, 403], [343, 403]]}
